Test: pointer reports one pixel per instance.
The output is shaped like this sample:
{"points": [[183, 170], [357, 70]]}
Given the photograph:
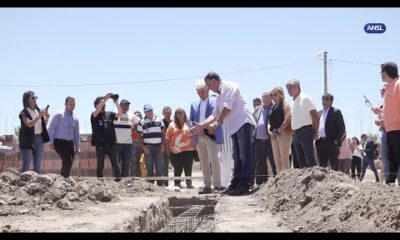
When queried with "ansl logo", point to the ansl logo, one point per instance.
{"points": [[374, 28]]}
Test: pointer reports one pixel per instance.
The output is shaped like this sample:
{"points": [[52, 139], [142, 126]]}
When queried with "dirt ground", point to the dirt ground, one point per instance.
{"points": [[297, 200]]}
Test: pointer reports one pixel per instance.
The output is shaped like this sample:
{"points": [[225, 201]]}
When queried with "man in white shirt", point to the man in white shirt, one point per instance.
{"points": [[232, 110], [305, 124], [123, 146]]}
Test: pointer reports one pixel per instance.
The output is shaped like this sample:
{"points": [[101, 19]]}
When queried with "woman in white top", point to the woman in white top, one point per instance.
{"points": [[33, 133], [357, 156]]}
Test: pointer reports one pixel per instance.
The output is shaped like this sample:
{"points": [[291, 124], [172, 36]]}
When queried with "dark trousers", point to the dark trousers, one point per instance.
{"points": [[243, 155], [303, 140], [327, 151], [65, 149], [368, 161], [182, 161], [124, 156], [165, 167], [262, 152], [101, 153], [293, 156], [356, 163], [393, 142]]}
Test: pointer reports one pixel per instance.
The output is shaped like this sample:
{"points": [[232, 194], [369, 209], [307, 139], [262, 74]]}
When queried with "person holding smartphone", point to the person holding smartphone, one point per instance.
{"points": [[64, 135], [33, 133]]}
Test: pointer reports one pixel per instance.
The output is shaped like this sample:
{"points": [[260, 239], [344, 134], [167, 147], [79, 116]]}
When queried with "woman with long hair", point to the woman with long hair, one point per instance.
{"points": [[180, 146], [33, 133], [280, 129]]}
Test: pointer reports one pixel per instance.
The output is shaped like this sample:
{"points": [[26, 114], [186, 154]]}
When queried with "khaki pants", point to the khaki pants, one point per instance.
{"points": [[207, 150], [281, 150]]}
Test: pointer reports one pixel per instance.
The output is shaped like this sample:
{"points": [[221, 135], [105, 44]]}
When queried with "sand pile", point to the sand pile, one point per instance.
{"points": [[23, 193], [321, 200]]}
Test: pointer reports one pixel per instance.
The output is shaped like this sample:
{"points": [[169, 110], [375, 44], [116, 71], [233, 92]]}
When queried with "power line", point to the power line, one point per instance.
{"points": [[355, 62], [158, 80]]}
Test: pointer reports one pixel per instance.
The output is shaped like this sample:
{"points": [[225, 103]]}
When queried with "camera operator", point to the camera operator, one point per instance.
{"points": [[103, 134]]}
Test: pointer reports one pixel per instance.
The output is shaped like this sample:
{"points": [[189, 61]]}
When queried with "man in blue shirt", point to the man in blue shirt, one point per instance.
{"points": [[262, 141], [64, 136]]}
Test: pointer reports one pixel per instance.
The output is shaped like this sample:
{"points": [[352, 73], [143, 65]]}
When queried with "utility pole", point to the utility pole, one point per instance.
{"points": [[325, 72]]}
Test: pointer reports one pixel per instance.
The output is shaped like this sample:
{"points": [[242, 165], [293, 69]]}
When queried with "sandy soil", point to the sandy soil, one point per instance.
{"points": [[297, 200]]}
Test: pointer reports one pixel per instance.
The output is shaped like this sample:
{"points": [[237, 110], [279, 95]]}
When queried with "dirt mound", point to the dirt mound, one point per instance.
{"points": [[321, 200], [23, 193]]}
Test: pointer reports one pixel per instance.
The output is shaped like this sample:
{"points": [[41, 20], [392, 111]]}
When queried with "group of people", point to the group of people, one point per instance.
{"points": [[275, 132]]}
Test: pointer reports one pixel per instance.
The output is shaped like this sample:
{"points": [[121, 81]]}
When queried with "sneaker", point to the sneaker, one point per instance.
{"points": [[189, 186], [206, 190], [218, 189]]}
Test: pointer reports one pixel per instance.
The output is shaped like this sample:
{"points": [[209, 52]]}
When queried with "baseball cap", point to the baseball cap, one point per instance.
{"points": [[124, 101], [147, 107]]}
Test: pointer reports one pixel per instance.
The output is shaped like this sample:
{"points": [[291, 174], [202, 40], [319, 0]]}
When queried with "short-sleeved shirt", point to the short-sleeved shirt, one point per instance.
{"points": [[151, 130], [123, 127], [302, 106], [230, 97], [103, 131], [391, 106], [179, 139]]}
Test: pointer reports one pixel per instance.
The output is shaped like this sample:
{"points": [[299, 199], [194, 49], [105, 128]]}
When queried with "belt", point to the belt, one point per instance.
{"points": [[262, 140]]}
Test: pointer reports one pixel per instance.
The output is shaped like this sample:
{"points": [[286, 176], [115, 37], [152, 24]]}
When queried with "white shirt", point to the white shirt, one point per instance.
{"points": [[302, 106], [123, 126], [38, 124], [322, 120], [231, 98], [357, 151], [202, 113]]}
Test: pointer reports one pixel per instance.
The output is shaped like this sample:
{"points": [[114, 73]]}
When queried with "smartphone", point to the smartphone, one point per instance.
{"points": [[47, 107]]}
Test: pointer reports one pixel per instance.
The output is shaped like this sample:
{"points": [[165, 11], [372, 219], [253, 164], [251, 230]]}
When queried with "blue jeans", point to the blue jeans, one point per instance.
{"points": [[35, 154], [154, 157], [243, 155], [365, 162], [124, 157], [303, 143], [136, 153]]}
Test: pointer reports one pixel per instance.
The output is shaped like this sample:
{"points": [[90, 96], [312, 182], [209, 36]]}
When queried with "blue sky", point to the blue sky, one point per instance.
{"points": [[77, 46]]}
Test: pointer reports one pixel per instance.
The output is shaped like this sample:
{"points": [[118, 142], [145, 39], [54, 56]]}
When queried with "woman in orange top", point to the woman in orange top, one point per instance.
{"points": [[180, 146]]}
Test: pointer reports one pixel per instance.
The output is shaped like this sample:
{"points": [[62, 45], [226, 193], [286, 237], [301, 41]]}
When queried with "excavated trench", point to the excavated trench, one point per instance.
{"points": [[176, 215]]}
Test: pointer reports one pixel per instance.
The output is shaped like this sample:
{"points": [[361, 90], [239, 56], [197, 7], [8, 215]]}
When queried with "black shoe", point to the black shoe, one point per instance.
{"points": [[239, 191], [189, 186], [228, 190], [118, 179], [206, 190]]}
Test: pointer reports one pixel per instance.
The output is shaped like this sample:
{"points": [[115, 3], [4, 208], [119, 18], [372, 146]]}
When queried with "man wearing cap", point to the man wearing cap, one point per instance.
{"points": [[123, 146], [152, 139], [231, 109]]}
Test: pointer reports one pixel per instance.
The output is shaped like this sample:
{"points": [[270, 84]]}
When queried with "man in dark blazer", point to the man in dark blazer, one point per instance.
{"points": [[369, 150], [330, 133]]}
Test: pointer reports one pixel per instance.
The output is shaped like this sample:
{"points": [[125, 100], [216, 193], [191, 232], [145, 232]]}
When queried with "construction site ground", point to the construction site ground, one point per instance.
{"points": [[297, 200]]}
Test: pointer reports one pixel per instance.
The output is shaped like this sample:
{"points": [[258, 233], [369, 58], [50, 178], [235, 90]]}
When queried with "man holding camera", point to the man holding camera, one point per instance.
{"points": [[103, 134]]}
